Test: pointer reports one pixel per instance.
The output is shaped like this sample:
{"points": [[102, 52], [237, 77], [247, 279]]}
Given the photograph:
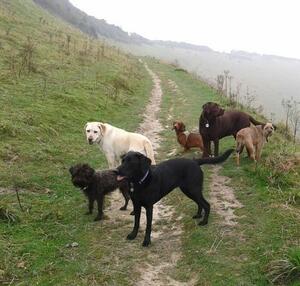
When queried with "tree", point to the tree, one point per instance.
{"points": [[287, 106], [295, 118], [249, 98], [226, 72], [220, 83]]}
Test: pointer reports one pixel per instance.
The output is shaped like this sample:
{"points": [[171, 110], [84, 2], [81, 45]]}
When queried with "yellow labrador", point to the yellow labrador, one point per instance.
{"points": [[115, 142], [254, 138]]}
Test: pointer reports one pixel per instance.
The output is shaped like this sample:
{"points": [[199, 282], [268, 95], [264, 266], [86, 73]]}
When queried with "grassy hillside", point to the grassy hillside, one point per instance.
{"points": [[50, 88], [53, 79], [89, 24]]}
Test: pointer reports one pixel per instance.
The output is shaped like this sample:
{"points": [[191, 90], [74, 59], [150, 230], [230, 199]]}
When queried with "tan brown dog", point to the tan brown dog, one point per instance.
{"points": [[185, 138], [254, 138]]}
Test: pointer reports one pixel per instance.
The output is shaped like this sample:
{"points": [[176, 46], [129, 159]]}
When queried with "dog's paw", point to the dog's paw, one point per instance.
{"points": [[146, 242], [98, 218], [132, 213], [123, 208], [131, 236], [203, 222], [197, 216]]}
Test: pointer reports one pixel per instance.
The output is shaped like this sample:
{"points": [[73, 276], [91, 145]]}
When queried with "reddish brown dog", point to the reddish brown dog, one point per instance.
{"points": [[187, 139], [216, 123]]}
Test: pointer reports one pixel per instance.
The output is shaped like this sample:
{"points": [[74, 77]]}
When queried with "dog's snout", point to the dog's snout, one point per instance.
{"points": [[90, 140]]}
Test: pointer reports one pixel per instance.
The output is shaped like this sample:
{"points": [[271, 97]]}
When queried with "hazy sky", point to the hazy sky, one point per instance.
{"points": [[262, 26]]}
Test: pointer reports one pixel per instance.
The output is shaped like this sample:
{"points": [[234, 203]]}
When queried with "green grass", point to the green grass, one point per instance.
{"points": [[269, 220]]}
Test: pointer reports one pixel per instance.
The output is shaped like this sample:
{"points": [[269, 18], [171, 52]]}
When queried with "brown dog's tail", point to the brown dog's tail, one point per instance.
{"points": [[215, 160], [239, 149], [255, 122], [239, 145]]}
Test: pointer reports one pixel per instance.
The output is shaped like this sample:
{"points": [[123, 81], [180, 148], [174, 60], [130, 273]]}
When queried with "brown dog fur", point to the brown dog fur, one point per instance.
{"points": [[216, 123], [254, 138], [185, 138]]}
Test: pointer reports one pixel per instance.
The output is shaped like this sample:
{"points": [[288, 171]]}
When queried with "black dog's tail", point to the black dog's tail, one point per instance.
{"points": [[215, 160], [255, 122]]}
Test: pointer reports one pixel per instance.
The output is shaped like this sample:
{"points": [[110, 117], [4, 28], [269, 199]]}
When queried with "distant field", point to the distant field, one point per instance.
{"points": [[269, 79]]}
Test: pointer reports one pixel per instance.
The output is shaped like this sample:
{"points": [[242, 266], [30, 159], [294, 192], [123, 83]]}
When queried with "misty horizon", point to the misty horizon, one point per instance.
{"points": [[264, 36]]}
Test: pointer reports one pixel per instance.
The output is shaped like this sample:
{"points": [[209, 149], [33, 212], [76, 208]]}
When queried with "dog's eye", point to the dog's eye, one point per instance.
{"points": [[95, 131], [88, 131]]}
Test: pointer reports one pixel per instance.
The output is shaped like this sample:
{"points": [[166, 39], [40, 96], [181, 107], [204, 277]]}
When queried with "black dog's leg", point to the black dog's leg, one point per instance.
{"points": [[206, 207], [100, 200], [90, 206], [149, 214], [185, 190], [137, 215], [125, 193], [199, 212]]}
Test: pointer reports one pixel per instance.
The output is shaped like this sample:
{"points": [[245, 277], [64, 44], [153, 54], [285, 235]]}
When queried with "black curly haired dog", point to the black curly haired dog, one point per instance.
{"points": [[96, 185]]}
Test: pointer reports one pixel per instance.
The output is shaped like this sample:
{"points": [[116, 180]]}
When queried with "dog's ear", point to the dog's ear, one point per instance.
{"points": [[84, 128], [88, 170], [221, 111], [173, 125], [102, 128], [145, 162]]}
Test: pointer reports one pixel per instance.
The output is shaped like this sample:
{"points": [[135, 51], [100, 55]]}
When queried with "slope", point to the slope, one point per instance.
{"points": [[53, 79]]}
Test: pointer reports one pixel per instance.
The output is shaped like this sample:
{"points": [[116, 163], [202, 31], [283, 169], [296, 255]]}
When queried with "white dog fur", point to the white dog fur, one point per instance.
{"points": [[115, 142]]}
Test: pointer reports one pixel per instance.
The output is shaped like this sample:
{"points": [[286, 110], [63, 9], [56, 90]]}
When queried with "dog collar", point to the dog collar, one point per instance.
{"points": [[207, 122], [144, 178], [131, 187]]}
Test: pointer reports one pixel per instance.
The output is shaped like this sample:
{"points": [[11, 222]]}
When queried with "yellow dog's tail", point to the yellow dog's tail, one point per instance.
{"points": [[149, 151]]}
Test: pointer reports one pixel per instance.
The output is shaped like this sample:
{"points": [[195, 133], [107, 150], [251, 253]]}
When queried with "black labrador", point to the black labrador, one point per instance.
{"points": [[151, 183]]}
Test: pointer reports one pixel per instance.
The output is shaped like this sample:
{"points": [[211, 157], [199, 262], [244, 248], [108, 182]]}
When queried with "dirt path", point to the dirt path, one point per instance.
{"points": [[165, 251], [163, 254], [222, 198]]}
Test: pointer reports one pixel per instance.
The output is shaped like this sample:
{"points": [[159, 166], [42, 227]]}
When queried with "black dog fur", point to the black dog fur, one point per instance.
{"points": [[151, 183], [95, 185]]}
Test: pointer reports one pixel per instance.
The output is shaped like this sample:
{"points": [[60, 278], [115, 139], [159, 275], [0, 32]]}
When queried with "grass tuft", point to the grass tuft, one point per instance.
{"points": [[8, 216], [286, 269]]}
